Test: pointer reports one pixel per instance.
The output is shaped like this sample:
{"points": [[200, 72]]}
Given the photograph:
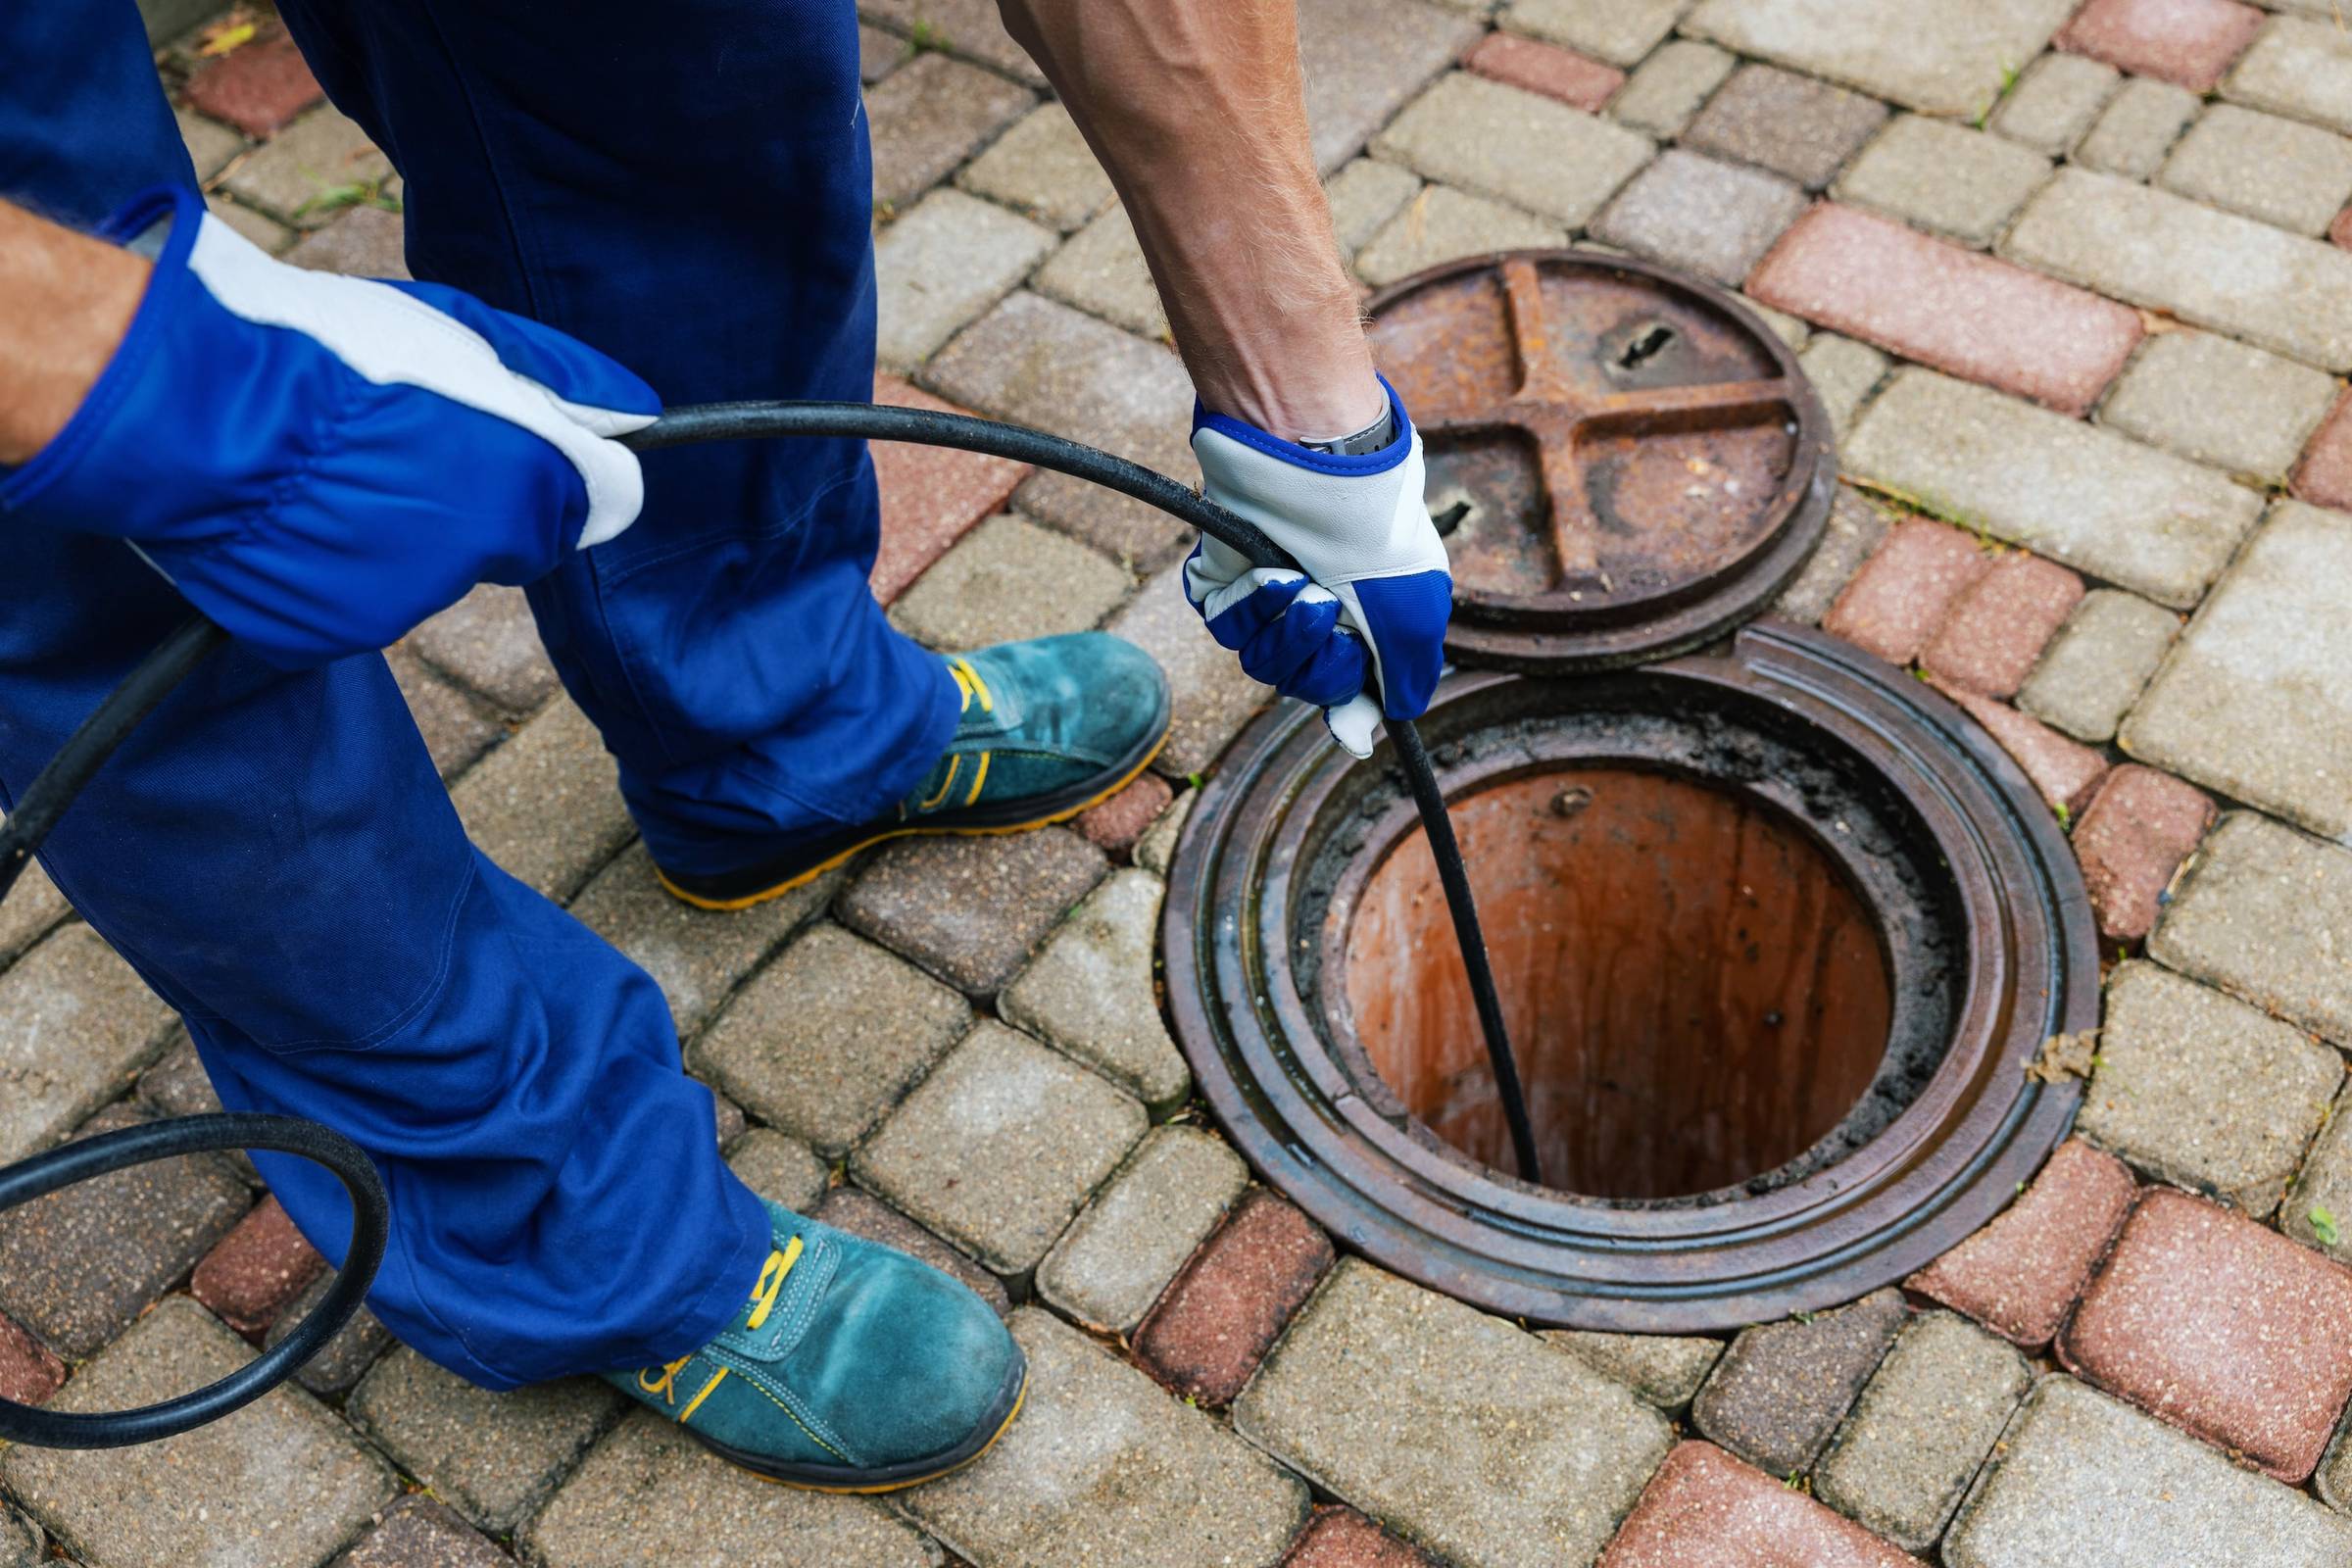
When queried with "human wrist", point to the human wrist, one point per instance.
{"points": [[79, 296]]}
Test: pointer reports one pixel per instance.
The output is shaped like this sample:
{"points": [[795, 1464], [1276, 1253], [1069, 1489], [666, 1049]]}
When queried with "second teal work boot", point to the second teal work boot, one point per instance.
{"points": [[1050, 727], [852, 1368]]}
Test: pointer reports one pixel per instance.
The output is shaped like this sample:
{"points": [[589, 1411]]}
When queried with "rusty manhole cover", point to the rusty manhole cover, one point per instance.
{"points": [[1627, 464]]}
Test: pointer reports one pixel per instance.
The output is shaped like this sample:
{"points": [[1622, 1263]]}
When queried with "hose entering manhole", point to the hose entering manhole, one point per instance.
{"points": [[85, 752]]}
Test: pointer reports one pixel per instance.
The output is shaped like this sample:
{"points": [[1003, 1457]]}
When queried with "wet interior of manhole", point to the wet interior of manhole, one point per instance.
{"points": [[1696, 994]]}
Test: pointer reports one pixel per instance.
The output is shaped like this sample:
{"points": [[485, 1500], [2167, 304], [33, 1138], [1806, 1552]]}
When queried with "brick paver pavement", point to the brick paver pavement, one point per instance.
{"points": [[2075, 280]]}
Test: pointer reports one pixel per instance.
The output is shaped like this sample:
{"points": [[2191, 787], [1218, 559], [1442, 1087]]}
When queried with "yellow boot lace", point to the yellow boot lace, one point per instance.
{"points": [[764, 1301]]}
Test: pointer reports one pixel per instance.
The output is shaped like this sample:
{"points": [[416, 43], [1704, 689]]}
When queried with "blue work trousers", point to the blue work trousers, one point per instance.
{"points": [[687, 188]]}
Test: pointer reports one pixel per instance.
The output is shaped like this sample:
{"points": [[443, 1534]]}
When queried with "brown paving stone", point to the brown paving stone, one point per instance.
{"points": [[1545, 67], [255, 1270], [1700, 215], [417, 1531], [860, 1214], [1338, 1537], [2066, 773], [1222, 1314], [1856, 529], [28, 1373], [345, 1357], [2324, 475], [32, 909], [281, 1484], [931, 495], [488, 641], [1041, 362], [970, 28], [2191, 42], [2019, 1274], [971, 910], [546, 804], [78, 1265], [2222, 1326], [1779, 1392], [1995, 633], [456, 732], [1705, 1509], [1957, 309], [697, 956], [76, 1023], [1905, 589], [825, 1039], [2196, 1088], [258, 87], [493, 1456], [365, 242], [1794, 126], [2339, 231], [1114, 825], [929, 116], [1365, 59], [2137, 830]]}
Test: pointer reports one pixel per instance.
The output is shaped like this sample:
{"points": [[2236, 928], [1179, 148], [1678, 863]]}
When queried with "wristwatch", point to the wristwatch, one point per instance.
{"points": [[1371, 438]]}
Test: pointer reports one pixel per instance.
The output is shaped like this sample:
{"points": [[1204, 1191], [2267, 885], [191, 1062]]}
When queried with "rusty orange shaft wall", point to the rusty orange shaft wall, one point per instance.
{"points": [[1695, 995]]}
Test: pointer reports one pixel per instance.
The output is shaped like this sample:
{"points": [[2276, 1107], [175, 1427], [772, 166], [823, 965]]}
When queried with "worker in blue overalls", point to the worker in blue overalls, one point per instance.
{"points": [[320, 463]]}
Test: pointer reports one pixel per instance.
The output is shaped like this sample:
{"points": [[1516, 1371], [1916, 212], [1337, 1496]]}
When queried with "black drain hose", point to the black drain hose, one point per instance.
{"points": [[98, 736]]}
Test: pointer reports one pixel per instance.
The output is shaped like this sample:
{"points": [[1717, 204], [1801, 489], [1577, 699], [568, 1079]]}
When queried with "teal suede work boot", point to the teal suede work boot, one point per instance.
{"points": [[852, 1368], [1050, 727]]}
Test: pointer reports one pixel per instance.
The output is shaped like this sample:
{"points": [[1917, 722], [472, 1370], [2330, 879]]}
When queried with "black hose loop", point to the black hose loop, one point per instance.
{"points": [[79, 1161]]}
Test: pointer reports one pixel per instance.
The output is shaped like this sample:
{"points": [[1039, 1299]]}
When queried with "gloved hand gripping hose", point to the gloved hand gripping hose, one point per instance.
{"points": [[155, 676]]}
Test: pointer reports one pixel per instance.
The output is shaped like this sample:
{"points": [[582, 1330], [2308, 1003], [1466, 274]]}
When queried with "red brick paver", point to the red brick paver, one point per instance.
{"points": [[2188, 41], [1545, 67], [2019, 1274], [1705, 1509], [1115, 824], [258, 87], [2140, 827], [255, 1270], [1906, 588], [1339, 1537], [1957, 309], [2324, 475], [2222, 1326], [1216, 1322], [931, 495], [2066, 773], [28, 1373], [1994, 633]]}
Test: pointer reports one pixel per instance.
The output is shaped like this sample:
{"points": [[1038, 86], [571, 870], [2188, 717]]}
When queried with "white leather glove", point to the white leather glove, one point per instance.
{"points": [[1369, 608]]}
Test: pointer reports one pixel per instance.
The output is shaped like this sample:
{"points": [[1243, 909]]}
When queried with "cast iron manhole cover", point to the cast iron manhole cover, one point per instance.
{"points": [[1627, 464]]}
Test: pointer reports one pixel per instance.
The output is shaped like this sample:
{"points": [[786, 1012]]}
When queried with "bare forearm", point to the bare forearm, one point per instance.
{"points": [[1197, 109], [69, 300]]}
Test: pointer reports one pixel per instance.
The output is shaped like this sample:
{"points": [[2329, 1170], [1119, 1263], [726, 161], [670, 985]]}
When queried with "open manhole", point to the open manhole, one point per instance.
{"points": [[1776, 928]]}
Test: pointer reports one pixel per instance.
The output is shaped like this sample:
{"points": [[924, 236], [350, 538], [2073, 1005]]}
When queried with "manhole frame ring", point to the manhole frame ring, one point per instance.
{"points": [[1953, 1169]]}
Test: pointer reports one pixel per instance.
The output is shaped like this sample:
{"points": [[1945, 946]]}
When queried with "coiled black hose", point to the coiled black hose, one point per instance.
{"points": [[156, 675]]}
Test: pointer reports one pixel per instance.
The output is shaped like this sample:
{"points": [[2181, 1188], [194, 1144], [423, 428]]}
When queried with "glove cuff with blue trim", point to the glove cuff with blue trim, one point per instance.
{"points": [[1370, 610]]}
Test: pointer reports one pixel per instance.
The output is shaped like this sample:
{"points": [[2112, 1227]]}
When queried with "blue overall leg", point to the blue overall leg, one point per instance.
{"points": [[699, 206], [276, 857]]}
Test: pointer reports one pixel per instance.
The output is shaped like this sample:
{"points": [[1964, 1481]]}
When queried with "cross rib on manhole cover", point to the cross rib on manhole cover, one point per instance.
{"points": [[1627, 463]]}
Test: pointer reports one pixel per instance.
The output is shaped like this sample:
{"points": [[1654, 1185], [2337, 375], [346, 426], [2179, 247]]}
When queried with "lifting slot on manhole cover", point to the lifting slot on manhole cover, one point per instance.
{"points": [[1776, 928]]}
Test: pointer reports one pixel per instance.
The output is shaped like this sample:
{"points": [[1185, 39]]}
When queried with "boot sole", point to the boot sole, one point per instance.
{"points": [[1053, 809], [842, 1479]]}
